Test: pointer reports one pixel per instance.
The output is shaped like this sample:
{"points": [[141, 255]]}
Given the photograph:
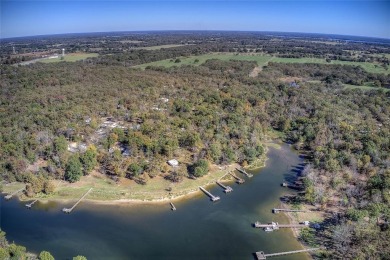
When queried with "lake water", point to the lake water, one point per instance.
{"points": [[199, 229]]}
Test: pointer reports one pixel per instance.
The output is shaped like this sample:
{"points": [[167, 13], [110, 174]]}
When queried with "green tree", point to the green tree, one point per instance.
{"points": [[134, 170], [73, 169], [60, 145], [44, 255], [88, 159], [17, 252], [4, 253], [48, 187], [201, 167]]}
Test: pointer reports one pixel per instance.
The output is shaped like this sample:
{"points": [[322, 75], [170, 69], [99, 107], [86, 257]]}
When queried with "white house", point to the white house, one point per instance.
{"points": [[173, 162]]}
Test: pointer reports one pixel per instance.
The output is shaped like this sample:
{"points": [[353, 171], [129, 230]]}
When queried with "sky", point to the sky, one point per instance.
{"points": [[353, 17]]}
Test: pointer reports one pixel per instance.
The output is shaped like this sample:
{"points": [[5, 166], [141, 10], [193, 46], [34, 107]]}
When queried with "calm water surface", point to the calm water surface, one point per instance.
{"points": [[199, 229]]}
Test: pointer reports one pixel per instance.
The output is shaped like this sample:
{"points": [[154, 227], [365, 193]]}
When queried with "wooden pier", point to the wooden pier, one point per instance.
{"points": [[172, 206], [212, 197], [9, 196], [260, 255], [239, 180], [276, 225], [245, 173], [66, 210], [29, 205], [227, 189], [287, 210]]}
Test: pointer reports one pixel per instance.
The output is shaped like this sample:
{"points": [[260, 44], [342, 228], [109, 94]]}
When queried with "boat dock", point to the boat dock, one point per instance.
{"points": [[287, 210], [66, 210], [227, 189], [9, 196], [172, 206], [294, 187], [239, 180], [29, 205], [260, 255], [245, 173], [275, 225], [212, 197]]}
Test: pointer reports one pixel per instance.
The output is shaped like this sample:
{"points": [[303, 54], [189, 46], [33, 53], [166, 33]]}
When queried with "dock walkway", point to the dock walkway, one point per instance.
{"points": [[260, 255], [274, 210], [9, 196], [29, 205], [212, 197], [227, 189], [277, 225], [239, 180], [66, 210], [245, 173]]}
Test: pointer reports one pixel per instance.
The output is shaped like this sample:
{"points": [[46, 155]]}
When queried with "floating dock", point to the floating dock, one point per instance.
{"points": [[9, 196], [245, 173], [287, 210], [172, 206], [239, 180], [29, 205], [65, 210], [260, 255], [226, 189], [212, 197]]}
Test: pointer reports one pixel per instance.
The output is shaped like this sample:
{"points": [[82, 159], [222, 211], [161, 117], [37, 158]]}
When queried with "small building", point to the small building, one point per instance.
{"points": [[173, 162], [294, 84]]}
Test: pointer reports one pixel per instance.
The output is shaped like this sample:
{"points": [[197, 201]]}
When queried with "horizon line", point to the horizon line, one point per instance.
{"points": [[190, 30]]}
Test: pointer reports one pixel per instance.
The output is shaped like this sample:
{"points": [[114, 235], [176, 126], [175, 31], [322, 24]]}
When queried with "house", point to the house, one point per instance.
{"points": [[173, 162]]}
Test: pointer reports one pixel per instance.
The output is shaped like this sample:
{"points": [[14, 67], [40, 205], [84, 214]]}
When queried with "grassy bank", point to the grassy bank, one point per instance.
{"points": [[155, 189]]}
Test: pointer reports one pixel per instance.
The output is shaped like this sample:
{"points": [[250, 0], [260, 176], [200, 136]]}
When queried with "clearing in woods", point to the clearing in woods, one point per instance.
{"points": [[71, 57]]}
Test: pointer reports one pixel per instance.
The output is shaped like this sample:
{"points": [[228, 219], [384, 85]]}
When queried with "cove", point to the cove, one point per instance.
{"points": [[198, 229]]}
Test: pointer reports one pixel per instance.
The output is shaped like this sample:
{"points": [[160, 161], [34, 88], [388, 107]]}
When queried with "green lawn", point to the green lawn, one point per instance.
{"points": [[72, 57], [261, 59]]}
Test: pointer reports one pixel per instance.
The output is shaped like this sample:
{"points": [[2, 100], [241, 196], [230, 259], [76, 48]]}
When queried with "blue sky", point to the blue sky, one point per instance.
{"points": [[353, 17]]}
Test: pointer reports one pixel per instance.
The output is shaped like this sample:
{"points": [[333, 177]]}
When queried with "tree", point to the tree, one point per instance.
{"points": [[73, 169], [134, 170], [17, 252], [48, 187], [60, 144], [88, 159], [201, 167], [44, 255]]}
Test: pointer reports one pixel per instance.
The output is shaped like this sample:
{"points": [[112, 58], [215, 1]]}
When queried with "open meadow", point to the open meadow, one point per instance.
{"points": [[71, 57], [261, 59]]}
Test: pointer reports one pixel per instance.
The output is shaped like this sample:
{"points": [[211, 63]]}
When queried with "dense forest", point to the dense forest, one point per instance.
{"points": [[64, 120]]}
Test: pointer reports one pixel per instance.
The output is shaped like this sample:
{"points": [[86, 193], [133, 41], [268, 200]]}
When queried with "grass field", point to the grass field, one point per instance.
{"points": [[71, 57], [158, 47], [261, 59]]}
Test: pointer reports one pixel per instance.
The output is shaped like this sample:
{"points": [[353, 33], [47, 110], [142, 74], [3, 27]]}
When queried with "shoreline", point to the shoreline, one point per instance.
{"points": [[256, 165]]}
